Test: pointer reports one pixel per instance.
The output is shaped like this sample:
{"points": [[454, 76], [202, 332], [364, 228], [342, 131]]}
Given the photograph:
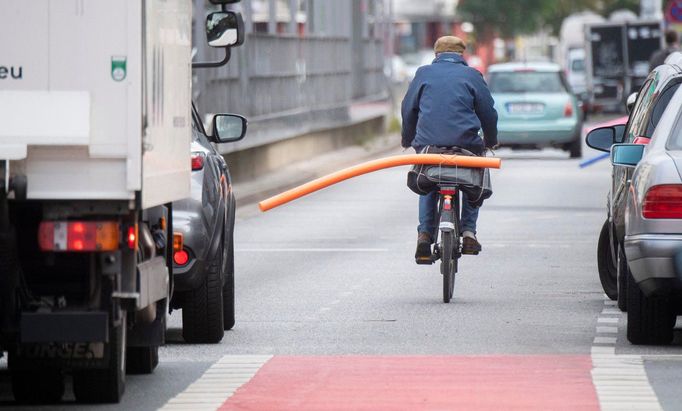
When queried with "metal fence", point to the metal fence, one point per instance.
{"points": [[288, 84]]}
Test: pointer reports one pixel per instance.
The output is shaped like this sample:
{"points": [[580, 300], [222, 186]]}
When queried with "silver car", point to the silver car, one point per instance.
{"points": [[203, 270], [653, 229]]}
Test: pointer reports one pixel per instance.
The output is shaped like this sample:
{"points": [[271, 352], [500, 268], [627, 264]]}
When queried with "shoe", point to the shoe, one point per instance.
{"points": [[423, 254], [471, 246]]}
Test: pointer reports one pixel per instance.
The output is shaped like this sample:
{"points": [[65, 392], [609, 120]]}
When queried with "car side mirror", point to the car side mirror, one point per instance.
{"points": [[225, 29], [630, 102], [601, 138], [626, 155], [228, 128], [620, 133]]}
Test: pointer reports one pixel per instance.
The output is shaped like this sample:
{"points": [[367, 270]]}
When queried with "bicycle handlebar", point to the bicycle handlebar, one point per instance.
{"points": [[375, 165]]}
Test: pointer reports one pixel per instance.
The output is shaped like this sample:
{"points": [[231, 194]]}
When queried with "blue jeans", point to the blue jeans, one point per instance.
{"points": [[428, 212]]}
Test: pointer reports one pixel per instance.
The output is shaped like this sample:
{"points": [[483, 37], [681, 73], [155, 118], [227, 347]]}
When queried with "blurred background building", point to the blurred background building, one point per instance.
{"points": [[304, 66]]}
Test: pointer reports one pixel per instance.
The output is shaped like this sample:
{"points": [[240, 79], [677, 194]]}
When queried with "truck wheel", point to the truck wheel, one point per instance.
{"points": [[650, 319], [142, 360], [228, 289], [36, 386], [104, 385], [576, 148], [607, 269], [623, 274], [202, 313]]}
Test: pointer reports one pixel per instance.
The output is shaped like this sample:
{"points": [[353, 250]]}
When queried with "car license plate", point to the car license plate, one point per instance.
{"points": [[525, 108]]}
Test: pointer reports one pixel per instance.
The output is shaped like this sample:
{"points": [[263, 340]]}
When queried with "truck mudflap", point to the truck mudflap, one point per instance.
{"points": [[153, 285]]}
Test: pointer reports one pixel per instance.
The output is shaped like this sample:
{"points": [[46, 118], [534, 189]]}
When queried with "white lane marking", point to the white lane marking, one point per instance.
{"points": [[605, 340], [608, 320], [620, 381], [312, 250], [218, 383]]}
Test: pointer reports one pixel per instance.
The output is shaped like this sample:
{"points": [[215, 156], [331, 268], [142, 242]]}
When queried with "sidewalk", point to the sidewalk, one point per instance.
{"points": [[249, 193]]}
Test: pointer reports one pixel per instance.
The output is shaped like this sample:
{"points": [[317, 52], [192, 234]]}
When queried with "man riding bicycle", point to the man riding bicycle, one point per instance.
{"points": [[446, 105]]}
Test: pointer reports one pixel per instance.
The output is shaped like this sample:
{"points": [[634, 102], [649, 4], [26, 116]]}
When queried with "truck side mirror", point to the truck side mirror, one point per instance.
{"points": [[228, 128], [225, 29]]}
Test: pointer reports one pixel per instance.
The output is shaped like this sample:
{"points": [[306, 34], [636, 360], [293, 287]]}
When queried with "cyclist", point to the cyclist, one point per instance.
{"points": [[446, 105]]}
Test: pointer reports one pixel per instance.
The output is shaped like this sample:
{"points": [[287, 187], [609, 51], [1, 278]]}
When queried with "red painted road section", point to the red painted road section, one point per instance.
{"points": [[420, 383]]}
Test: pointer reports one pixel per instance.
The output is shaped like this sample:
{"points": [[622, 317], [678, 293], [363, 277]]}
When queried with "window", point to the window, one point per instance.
{"points": [[578, 66], [526, 82], [660, 106]]}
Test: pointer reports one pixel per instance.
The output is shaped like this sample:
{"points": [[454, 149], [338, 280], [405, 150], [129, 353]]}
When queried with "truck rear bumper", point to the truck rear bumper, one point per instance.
{"points": [[64, 327]]}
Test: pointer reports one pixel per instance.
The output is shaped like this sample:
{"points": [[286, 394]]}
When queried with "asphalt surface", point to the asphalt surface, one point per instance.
{"points": [[334, 273]]}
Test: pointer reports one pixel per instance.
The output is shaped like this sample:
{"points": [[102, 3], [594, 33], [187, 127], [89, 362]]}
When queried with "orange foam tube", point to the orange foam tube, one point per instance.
{"points": [[374, 165]]}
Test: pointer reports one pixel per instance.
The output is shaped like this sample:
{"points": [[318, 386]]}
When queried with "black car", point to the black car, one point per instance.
{"points": [[653, 98], [203, 270]]}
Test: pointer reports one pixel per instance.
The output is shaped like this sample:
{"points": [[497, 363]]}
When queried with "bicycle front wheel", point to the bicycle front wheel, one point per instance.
{"points": [[447, 264]]}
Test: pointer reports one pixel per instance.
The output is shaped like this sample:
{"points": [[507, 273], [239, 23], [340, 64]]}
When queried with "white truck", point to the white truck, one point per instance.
{"points": [[95, 128]]}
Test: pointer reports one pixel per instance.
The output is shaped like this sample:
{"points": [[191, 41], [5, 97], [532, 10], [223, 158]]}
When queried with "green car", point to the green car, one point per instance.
{"points": [[536, 108]]}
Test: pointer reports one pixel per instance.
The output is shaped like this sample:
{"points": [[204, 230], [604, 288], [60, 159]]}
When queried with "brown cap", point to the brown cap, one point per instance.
{"points": [[449, 44]]}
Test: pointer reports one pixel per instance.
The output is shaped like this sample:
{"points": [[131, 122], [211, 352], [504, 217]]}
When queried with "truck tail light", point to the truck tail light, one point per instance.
{"points": [[131, 237], [664, 201], [198, 160], [568, 109], [78, 236]]}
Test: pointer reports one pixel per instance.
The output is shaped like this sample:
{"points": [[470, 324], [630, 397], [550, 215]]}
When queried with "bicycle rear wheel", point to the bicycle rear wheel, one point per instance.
{"points": [[448, 264]]}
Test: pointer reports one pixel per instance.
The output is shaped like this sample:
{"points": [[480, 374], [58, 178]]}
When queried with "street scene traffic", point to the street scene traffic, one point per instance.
{"points": [[340, 205]]}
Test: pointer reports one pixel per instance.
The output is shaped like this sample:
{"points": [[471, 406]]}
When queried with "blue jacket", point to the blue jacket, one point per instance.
{"points": [[447, 103]]}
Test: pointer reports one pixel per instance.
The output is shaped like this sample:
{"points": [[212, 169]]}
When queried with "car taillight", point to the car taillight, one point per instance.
{"points": [[198, 160], [641, 140], [664, 201], [568, 109], [79, 236], [181, 257]]}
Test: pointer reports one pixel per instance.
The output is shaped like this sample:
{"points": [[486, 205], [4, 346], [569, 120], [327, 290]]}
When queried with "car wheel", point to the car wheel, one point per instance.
{"points": [[228, 289], [605, 265], [623, 274], [575, 150], [650, 319], [202, 312]]}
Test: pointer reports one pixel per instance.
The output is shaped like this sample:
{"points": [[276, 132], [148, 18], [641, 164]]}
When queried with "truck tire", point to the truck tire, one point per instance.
{"points": [[650, 319], [104, 385], [608, 275], [142, 360], [202, 312], [35, 386], [228, 289]]}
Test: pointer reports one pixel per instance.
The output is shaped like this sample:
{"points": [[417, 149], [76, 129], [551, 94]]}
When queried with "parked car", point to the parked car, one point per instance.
{"points": [[648, 108], [535, 106], [203, 270], [653, 227]]}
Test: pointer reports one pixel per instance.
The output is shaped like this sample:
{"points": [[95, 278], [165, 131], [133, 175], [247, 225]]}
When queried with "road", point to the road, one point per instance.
{"points": [[333, 313]]}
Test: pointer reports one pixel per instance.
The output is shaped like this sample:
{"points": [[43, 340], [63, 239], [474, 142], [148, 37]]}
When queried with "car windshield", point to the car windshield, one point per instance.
{"points": [[526, 82]]}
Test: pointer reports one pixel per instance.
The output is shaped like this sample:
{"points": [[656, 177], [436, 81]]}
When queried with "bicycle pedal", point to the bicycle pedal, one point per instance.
{"points": [[424, 260]]}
